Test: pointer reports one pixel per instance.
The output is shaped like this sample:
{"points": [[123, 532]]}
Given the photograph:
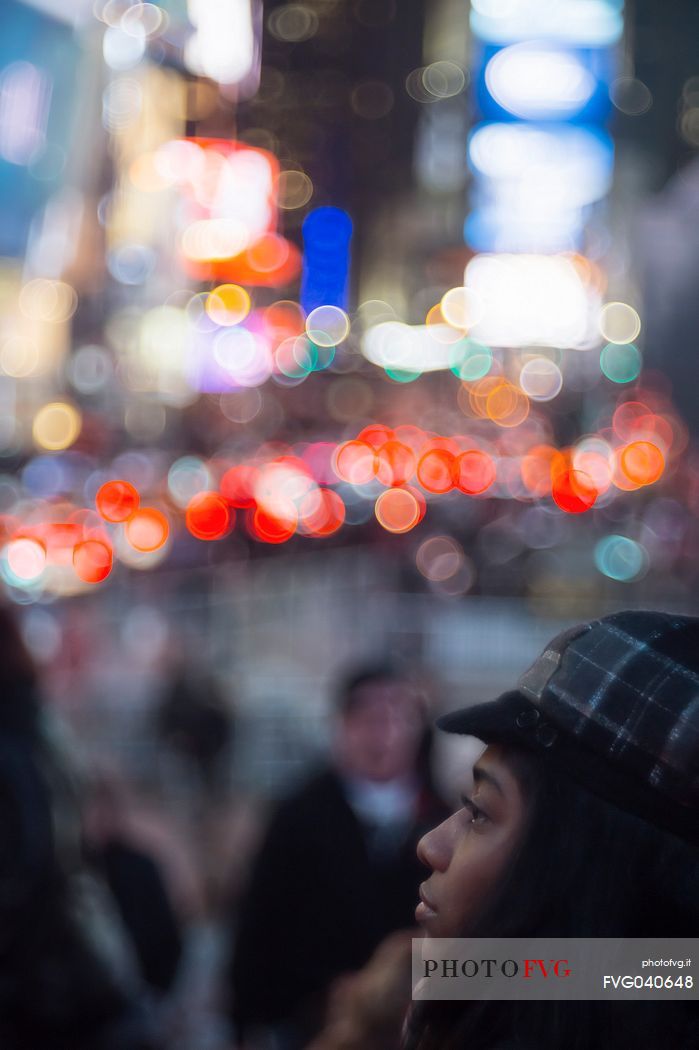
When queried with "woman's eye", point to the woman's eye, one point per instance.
{"points": [[477, 815]]}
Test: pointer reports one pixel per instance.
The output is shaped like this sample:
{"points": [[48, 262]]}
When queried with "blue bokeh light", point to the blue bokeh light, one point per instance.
{"points": [[327, 233]]}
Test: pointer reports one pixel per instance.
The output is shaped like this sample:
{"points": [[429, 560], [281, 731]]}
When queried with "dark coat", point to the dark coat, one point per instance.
{"points": [[56, 991], [145, 908], [319, 902]]}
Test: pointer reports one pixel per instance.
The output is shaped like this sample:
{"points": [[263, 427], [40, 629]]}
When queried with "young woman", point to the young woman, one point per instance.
{"points": [[582, 822]]}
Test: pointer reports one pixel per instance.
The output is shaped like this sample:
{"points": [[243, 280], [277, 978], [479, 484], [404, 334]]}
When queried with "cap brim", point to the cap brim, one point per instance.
{"points": [[491, 722], [498, 721]]}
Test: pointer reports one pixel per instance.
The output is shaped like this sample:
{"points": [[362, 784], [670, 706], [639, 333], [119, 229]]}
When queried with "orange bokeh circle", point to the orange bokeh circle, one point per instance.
{"points": [[480, 391], [147, 530], [117, 500], [208, 516], [398, 510], [92, 560], [395, 463], [474, 471], [268, 253], [642, 462], [506, 404], [322, 513], [539, 466], [435, 471], [376, 434], [238, 486], [268, 529], [355, 462]]}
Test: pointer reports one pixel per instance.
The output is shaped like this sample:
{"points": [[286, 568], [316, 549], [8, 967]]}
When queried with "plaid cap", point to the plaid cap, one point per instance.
{"points": [[615, 704]]}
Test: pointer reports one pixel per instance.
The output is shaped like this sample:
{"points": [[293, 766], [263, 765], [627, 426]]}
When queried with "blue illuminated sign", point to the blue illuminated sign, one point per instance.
{"points": [[326, 259]]}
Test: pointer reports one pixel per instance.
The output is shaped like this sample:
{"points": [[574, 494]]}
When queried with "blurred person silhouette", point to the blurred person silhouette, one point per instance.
{"points": [[337, 869], [63, 985], [134, 879], [194, 720]]}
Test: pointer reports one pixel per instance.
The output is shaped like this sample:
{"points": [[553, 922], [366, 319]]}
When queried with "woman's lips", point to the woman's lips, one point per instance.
{"points": [[425, 909]]}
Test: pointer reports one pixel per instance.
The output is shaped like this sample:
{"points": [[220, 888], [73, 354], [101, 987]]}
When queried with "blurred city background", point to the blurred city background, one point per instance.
{"points": [[331, 331]]}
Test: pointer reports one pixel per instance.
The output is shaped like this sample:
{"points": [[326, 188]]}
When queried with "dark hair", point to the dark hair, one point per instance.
{"points": [[16, 664], [584, 868], [353, 681], [19, 699]]}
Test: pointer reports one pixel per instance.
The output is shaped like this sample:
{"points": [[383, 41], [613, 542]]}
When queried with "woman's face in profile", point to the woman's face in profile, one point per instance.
{"points": [[470, 851]]}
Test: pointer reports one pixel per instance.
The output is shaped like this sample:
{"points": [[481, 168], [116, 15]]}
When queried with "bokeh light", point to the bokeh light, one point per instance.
{"points": [[594, 457], [292, 23], [321, 513], [395, 463], [398, 510], [243, 356], [238, 484], [541, 379], [506, 405], [141, 561], [327, 325], [147, 529], [573, 491], [92, 560], [530, 299], [19, 357], [435, 470], [56, 426], [619, 323], [439, 558], [297, 357], [443, 79], [355, 462], [117, 500], [620, 362], [186, 477], [470, 360], [208, 516], [457, 584], [90, 369], [44, 300], [284, 319], [630, 96], [462, 307], [269, 254], [629, 416], [211, 239], [228, 304], [143, 19], [294, 189], [621, 558], [270, 529], [26, 558], [440, 328], [642, 462], [166, 340], [535, 81], [474, 472]]}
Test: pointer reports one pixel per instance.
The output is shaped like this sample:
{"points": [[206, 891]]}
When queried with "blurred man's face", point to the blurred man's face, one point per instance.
{"points": [[378, 739]]}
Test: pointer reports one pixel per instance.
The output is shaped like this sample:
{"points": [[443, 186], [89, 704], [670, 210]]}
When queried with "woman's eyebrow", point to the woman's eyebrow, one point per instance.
{"points": [[480, 775]]}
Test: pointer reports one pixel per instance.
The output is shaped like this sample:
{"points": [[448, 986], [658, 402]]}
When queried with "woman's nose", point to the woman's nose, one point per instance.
{"points": [[434, 849]]}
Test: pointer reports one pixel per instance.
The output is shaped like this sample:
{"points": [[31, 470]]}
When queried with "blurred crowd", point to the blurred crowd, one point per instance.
{"points": [[206, 919]]}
